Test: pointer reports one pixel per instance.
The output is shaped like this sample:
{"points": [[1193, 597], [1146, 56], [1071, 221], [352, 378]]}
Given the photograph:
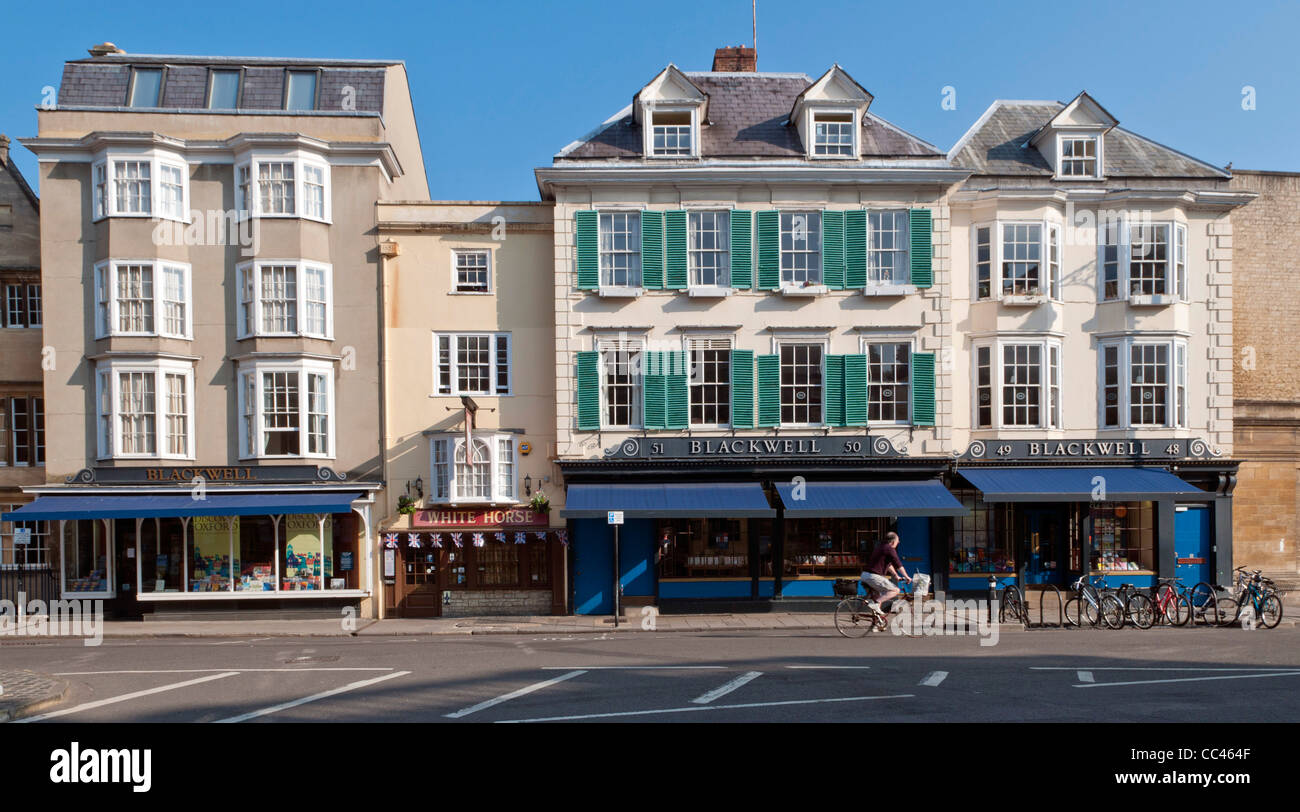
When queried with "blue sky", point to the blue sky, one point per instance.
{"points": [[500, 87]]}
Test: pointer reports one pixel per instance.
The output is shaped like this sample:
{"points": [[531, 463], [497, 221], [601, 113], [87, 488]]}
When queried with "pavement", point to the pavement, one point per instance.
{"points": [[23, 693]]}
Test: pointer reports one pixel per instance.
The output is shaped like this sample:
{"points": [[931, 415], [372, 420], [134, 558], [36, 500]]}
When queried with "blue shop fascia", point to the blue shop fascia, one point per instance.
{"points": [[750, 523]]}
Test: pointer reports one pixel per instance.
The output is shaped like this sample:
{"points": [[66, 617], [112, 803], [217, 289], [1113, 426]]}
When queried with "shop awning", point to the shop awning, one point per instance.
{"points": [[1078, 484], [848, 499], [739, 500], [149, 506]]}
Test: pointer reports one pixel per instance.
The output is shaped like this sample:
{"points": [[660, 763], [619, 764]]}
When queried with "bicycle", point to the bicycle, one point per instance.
{"points": [[1138, 608], [1203, 603], [855, 618], [1256, 592], [1171, 604], [1093, 605], [1013, 605]]}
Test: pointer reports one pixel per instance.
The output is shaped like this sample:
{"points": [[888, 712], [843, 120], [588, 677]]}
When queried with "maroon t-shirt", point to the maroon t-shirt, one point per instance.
{"points": [[882, 557]]}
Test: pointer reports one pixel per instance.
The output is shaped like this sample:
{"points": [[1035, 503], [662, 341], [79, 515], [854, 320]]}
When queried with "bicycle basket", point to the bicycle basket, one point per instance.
{"points": [[845, 587]]}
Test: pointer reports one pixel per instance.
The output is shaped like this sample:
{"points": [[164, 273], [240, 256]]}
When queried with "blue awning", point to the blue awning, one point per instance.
{"points": [[1078, 484], [848, 499], [738, 500], [149, 506]]}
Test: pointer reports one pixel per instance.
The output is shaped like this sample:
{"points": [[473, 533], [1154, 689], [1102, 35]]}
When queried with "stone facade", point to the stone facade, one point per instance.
{"points": [[1266, 312], [512, 602]]}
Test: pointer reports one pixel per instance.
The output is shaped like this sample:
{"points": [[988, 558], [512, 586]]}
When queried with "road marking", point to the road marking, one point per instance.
{"points": [[827, 667], [213, 670], [99, 703], [1188, 679], [1149, 668], [727, 687], [322, 695], [537, 686], [933, 679], [1086, 676], [236, 642], [705, 708], [634, 667]]}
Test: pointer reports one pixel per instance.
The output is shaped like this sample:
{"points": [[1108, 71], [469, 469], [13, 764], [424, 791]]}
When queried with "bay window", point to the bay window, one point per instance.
{"points": [[1016, 258], [1142, 261], [151, 183], [145, 409], [286, 409], [1143, 382], [143, 298], [285, 298], [486, 475], [472, 363], [283, 184], [1018, 384]]}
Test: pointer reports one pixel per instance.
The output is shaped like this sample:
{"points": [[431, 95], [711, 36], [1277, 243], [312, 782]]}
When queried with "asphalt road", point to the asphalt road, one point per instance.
{"points": [[815, 676]]}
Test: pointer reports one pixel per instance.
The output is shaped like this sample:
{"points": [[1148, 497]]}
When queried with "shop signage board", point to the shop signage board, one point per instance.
{"points": [[615, 517], [479, 517], [771, 447], [22, 536], [212, 474], [1091, 450]]}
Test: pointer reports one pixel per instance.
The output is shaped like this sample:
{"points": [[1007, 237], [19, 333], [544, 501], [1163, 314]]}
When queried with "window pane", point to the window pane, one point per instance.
{"points": [[801, 244], [710, 248], [710, 386], [620, 249], [146, 84], [302, 91], [225, 90], [801, 383]]}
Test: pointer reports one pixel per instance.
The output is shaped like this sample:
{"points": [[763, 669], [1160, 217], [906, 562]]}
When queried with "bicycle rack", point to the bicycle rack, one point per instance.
{"points": [[1060, 607], [1020, 600]]}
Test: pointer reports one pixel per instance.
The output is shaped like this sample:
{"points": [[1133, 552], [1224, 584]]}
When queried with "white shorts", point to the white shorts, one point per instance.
{"points": [[877, 584]]}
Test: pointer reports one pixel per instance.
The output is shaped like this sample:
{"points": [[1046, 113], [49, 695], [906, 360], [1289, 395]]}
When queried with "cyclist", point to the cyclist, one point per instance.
{"points": [[883, 562]]}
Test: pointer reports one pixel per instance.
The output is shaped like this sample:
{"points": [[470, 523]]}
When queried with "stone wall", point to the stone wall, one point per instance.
{"points": [[469, 603]]}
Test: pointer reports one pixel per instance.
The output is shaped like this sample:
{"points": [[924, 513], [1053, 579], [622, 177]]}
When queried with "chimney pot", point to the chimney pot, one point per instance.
{"points": [[104, 49], [738, 59]]}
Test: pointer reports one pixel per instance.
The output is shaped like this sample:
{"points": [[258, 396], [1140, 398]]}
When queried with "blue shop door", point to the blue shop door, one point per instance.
{"points": [[593, 567], [914, 544], [1044, 545], [1192, 544]]}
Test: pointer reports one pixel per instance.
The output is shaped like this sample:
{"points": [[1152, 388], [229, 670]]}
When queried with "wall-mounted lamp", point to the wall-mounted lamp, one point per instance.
{"points": [[528, 485], [418, 486]]}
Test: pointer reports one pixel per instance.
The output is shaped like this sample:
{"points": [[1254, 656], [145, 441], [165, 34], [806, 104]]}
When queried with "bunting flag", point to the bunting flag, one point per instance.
{"points": [[413, 540], [521, 537], [501, 537], [563, 536], [455, 538], [390, 540], [478, 539], [437, 540], [541, 535]]}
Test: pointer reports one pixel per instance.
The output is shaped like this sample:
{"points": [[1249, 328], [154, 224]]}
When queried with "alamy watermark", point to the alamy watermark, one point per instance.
{"points": [[61, 618]]}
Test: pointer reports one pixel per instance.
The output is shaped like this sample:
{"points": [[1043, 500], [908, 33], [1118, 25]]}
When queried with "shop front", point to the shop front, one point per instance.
{"points": [[473, 560], [1045, 513], [178, 542], [738, 525]]}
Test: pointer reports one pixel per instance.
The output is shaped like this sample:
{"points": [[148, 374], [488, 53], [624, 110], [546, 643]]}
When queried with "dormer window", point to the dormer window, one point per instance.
{"points": [[1080, 157], [833, 135], [671, 134], [146, 87]]}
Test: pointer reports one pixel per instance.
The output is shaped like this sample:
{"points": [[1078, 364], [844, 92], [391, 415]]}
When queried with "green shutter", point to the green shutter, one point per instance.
{"points": [[855, 390], [833, 249], [589, 391], [742, 389], [652, 250], [922, 275], [677, 398], [769, 250], [742, 252], [675, 233], [923, 389], [586, 231], [653, 385], [833, 390], [855, 249], [769, 390]]}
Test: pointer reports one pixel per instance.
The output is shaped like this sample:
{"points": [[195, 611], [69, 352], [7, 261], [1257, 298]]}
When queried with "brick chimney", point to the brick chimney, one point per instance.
{"points": [[4, 149], [735, 60], [104, 49]]}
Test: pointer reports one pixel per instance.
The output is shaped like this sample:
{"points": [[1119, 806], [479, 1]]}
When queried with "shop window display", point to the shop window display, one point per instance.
{"points": [[307, 551], [703, 548], [162, 555], [209, 557], [1123, 537], [982, 539], [831, 547], [255, 563], [85, 556]]}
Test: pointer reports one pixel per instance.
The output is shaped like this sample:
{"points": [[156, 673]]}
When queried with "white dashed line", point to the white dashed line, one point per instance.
{"points": [[1188, 679], [322, 695], [99, 703], [727, 687], [706, 708], [537, 686], [933, 679], [1086, 676]]}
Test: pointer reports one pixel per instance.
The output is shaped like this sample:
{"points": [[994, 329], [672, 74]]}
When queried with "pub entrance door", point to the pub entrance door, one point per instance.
{"points": [[418, 582]]}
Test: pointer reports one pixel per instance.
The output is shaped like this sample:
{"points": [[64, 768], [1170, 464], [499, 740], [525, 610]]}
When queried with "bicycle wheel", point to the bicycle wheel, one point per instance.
{"points": [[1112, 612], [1073, 614], [1226, 611], [1013, 607], [1179, 611], [852, 618], [1204, 604], [1140, 611], [1091, 611], [1270, 611]]}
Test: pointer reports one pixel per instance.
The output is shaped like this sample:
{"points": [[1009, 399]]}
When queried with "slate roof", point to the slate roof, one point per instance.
{"points": [[103, 81], [997, 145], [747, 119]]}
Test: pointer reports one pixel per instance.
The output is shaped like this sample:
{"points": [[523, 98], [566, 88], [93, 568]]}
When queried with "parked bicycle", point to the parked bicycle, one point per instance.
{"points": [[1092, 605], [1171, 604], [1012, 606], [1255, 594], [1138, 606]]}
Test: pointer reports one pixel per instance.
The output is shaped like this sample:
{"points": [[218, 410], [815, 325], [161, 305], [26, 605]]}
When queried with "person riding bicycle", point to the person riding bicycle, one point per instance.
{"points": [[883, 562]]}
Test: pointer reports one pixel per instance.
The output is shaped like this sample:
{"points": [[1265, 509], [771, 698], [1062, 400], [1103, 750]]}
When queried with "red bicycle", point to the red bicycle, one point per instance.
{"points": [[1171, 605]]}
